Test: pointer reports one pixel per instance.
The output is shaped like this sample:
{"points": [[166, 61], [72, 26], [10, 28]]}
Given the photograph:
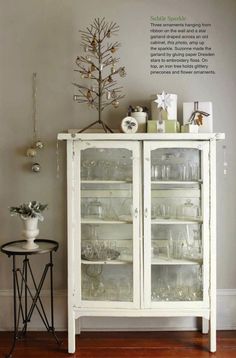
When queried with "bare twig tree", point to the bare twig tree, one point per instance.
{"points": [[98, 66]]}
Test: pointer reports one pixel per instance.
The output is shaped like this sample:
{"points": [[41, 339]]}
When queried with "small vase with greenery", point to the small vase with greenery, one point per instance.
{"points": [[30, 213]]}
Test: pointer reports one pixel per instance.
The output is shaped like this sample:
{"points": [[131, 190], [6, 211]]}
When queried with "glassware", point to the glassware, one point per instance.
{"points": [[156, 172], [194, 170], [109, 211], [87, 167], [165, 211], [166, 172], [95, 209], [188, 210]]}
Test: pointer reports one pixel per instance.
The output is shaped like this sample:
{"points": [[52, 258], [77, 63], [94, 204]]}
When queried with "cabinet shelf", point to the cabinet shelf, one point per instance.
{"points": [[176, 182], [108, 262], [100, 221], [163, 261], [106, 181], [175, 221]]}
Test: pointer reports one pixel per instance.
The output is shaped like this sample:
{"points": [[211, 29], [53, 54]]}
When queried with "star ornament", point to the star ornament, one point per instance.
{"points": [[163, 100]]}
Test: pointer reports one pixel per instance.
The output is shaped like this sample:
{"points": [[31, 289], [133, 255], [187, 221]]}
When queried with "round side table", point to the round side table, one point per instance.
{"points": [[23, 309]]}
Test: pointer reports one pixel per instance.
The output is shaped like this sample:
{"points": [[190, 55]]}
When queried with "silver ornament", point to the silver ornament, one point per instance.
{"points": [[39, 144], [113, 94], [108, 95], [122, 72], [115, 104], [31, 152], [36, 168]]}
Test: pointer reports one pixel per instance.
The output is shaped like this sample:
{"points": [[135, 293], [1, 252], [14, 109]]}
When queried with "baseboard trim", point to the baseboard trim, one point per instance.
{"points": [[226, 316]]}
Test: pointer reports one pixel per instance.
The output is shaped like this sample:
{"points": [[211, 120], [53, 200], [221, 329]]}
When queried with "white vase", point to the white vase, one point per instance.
{"points": [[30, 233]]}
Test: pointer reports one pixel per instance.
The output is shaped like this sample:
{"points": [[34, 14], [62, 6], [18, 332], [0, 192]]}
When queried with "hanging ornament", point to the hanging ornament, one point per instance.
{"points": [[94, 43], [113, 49], [112, 69], [108, 95], [115, 103], [39, 144], [163, 100], [36, 168], [31, 152], [89, 74], [91, 103], [122, 72], [199, 120], [88, 58], [110, 80], [92, 68], [101, 66], [89, 95], [113, 94], [225, 164], [86, 48], [82, 75]]}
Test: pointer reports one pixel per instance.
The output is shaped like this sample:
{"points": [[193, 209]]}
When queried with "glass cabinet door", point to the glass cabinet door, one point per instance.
{"points": [[109, 224], [176, 208]]}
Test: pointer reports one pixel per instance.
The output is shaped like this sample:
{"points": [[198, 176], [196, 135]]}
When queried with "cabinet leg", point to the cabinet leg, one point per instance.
{"points": [[205, 326], [71, 334], [78, 325], [213, 333]]}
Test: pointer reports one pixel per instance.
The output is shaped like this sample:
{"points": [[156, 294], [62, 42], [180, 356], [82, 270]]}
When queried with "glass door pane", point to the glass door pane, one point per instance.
{"points": [[107, 225], [177, 217]]}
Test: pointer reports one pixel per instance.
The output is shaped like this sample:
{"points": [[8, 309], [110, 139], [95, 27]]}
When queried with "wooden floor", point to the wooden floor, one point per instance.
{"points": [[122, 344]]}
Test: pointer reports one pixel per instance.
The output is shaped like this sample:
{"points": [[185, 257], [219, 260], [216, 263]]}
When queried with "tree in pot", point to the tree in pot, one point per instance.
{"points": [[30, 213]]}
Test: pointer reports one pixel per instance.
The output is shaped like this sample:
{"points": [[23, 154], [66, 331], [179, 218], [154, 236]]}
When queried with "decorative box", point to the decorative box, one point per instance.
{"points": [[141, 118], [189, 128], [164, 107], [198, 113], [163, 126]]}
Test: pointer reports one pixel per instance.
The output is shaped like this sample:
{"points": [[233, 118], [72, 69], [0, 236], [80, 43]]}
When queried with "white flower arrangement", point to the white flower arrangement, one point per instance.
{"points": [[33, 209]]}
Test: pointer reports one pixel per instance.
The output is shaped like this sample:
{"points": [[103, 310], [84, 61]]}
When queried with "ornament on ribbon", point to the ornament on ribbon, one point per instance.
{"points": [[197, 115]]}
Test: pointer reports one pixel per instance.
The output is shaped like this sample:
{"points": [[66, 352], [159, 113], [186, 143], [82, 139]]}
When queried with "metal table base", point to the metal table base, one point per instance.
{"points": [[23, 307]]}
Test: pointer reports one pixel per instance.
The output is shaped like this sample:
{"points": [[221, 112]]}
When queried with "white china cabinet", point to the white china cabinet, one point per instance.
{"points": [[141, 227]]}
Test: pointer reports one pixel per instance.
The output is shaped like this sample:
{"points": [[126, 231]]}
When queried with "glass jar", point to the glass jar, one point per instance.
{"points": [[95, 209]]}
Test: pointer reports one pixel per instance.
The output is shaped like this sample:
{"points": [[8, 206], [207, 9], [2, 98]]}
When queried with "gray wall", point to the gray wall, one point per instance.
{"points": [[43, 36]]}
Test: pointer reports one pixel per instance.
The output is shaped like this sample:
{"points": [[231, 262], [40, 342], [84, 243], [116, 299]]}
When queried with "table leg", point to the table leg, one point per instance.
{"points": [[21, 310]]}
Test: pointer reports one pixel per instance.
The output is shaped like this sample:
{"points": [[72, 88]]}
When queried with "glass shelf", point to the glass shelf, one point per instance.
{"points": [[176, 182], [163, 261], [100, 221], [176, 221], [108, 262], [106, 181]]}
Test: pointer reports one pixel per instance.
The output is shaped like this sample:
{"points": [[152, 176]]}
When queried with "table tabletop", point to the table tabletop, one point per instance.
{"points": [[15, 247]]}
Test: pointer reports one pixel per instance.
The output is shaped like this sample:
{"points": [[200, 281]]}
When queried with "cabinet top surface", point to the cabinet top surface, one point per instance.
{"points": [[72, 135]]}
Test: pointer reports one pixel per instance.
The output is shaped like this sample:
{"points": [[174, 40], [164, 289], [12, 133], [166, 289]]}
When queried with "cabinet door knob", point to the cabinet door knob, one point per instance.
{"points": [[146, 212], [136, 213]]}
